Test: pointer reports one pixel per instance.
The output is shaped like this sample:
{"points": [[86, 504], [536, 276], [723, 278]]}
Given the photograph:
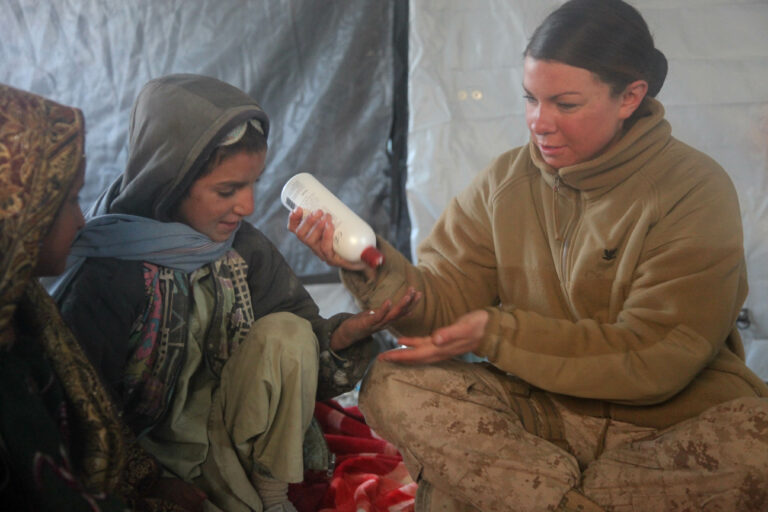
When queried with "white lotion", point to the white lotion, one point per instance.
{"points": [[353, 238]]}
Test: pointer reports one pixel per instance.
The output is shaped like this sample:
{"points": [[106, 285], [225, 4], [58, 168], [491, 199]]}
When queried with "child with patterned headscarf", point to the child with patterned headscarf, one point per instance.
{"points": [[62, 445]]}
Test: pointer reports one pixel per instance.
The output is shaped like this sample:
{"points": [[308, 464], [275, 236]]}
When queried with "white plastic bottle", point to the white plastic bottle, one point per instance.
{"points": [[353, 238]]}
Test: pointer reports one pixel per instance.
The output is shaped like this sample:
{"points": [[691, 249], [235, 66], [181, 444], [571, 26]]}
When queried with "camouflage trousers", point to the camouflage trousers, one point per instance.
{"points": [[477, 439]]}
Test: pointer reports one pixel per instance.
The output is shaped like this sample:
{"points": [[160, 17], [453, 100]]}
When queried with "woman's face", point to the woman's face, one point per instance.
{"points": [[572, 115], [218, 201], [55, 246]]}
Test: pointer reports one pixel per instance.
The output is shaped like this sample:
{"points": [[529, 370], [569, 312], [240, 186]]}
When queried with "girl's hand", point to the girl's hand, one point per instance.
{"points": [[459, 338], [365, 323], [315, 230]]}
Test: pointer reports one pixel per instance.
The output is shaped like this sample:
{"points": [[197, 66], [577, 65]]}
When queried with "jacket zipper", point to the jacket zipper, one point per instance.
{"points": [[556, 220], [559, 236], [565, 238]]}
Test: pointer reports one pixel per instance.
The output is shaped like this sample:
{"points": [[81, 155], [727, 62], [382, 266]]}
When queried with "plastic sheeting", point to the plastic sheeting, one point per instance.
{"points": [[466, 106], [325, 73]]}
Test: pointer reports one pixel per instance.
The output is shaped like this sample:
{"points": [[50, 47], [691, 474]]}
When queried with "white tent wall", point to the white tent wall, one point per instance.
{"points": [[466, 105]]}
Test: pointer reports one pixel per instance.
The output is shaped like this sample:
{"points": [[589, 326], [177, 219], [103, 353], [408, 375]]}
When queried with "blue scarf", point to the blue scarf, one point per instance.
{"points": [[130, 237]]}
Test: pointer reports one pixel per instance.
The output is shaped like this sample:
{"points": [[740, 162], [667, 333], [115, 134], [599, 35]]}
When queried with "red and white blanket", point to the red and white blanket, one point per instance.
{"points": [[369, 475]]}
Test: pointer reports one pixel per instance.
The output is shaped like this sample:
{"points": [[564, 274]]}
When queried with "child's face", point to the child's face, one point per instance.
{"points": [[55, 246], [218, 201]]}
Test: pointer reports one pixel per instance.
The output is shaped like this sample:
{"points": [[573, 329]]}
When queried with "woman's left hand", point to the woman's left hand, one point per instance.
{"points": [[365, 323], [461, 337]]}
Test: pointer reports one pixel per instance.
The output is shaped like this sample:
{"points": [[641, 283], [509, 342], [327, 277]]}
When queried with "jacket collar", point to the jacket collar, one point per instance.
{"points": [[649, 133]]}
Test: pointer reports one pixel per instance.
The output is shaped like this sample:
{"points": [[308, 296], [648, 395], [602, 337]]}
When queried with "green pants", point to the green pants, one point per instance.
{"points": [[261, 409]]}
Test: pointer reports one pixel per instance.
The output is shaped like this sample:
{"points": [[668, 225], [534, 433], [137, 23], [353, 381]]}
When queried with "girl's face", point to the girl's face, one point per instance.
{"points": [[218, 201], [55, 246], [571, 114]]}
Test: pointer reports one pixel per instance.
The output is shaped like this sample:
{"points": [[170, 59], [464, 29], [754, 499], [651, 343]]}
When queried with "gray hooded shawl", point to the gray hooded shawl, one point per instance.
{"points": [[168, 151], [175, 125]]}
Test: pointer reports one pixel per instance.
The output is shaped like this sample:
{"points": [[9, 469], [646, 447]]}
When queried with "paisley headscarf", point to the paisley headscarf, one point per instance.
{"points": [[41, 151]]}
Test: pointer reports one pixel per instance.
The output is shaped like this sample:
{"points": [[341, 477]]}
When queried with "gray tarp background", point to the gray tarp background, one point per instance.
{"points": [[323, 70]]}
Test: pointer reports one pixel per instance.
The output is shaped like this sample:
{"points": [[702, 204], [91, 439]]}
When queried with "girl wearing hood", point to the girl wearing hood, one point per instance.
{"points": [[600, 271], [62, 445], [207, 339]]}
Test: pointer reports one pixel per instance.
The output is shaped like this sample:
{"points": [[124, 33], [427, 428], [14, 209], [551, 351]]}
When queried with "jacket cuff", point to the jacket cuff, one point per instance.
{"points": [[384, 286], [500, 329]]}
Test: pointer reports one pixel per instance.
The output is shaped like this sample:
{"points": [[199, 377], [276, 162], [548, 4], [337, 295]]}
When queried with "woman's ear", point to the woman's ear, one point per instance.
{"points": [[631, 98]]}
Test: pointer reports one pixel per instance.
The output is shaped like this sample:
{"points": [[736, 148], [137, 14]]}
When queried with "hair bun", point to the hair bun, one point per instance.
{"points": [[658, 72]]}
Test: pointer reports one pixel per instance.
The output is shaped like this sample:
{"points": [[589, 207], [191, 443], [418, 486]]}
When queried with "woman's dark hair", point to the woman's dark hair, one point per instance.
{"points": [[607, 37]]}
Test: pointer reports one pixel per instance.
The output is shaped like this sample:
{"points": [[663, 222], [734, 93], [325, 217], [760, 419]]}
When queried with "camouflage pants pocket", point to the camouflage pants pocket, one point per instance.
{"points": [[462, 430]]}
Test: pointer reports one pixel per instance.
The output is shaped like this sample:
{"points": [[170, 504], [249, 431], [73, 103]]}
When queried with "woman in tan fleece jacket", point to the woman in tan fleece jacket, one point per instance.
{"points": [[599, 270]]}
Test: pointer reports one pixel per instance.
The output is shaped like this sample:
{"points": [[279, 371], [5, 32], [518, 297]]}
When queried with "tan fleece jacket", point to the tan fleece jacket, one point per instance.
{"points": [[614, 284]]}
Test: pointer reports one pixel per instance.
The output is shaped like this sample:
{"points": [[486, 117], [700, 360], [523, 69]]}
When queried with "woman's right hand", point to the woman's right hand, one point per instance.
{"points": [[315, 230]]}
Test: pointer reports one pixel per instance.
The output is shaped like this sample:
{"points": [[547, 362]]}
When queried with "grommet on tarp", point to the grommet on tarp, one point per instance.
{"points": [[743, 321]]}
